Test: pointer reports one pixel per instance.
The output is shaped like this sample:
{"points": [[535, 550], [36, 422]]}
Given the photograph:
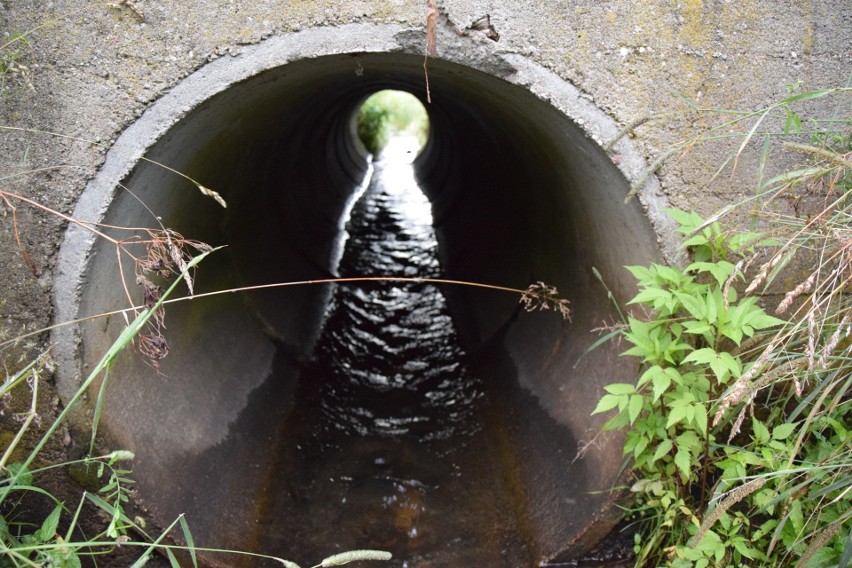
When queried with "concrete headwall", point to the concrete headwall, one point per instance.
{"points": [[88, 69], [255, 100]]}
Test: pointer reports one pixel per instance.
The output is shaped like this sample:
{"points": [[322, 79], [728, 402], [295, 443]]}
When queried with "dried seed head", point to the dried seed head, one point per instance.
{"points": [[154, 347], [803, 288], [167, 254], [832, 342], [764, 272], [810, 351], [541, 296], [734, 497]]}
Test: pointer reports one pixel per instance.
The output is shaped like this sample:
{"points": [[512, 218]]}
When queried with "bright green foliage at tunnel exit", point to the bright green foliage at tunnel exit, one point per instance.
{"points": [[387, 114]]}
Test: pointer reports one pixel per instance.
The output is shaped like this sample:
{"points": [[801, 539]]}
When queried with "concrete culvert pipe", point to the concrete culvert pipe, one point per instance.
{"points": [[521, 192]]}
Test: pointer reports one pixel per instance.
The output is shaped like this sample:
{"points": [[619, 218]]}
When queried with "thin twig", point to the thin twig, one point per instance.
{"points": [[204, 190], [431, 41], [350, 280]]}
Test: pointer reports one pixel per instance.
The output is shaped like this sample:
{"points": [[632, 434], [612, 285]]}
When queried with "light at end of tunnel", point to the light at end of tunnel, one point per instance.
{"points": [[393, 125]]}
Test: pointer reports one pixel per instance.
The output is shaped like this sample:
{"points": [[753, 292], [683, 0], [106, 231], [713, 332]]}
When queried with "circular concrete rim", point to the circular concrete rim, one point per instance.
{"points": [[220, 75]]}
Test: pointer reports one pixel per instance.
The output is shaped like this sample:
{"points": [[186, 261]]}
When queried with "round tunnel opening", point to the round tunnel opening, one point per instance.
{"points": [[519, 193], [393, 125]]}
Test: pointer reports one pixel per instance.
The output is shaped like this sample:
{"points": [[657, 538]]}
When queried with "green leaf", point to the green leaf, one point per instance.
{"points": [[652, 296], [607, 402], [640, 447], [783, 431], [662, 381], [617, 422], [620, 388], [759, 319], [670, 274], [761, 433], [733, 330], [695, 306], [683, 461], [806, 96], [738, 241], [723, 364], [721, 270], [714, 305], [695, 240], [64, 558], [634, 407], [688, 221], [797, 518], [793, 123], [704, 355], [744, 549], [688, 441], [663, 448], [21, 472], [640, 273], [47, 531], [697, 327], [700, 419], [792, 175], [677, 414]]}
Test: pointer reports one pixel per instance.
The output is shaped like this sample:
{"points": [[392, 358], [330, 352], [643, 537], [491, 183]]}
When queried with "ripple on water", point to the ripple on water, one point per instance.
{"points": [[389, 451]]}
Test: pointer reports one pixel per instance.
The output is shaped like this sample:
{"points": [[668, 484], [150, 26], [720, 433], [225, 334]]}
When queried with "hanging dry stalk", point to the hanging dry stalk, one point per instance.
{"points": [[733, 498], [167, 254], [541, 296], [24, 255], [431, 40]]}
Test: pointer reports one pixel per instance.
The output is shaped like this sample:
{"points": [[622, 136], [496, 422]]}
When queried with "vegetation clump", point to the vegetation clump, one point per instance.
{"points": [[738, 427]]}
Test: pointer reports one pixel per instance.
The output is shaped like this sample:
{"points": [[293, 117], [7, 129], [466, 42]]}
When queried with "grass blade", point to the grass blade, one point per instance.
{"points": [[748, 137], [847, 552], [99, 405], [115, 349], [355, 555], [190, 543], [806, 96]]}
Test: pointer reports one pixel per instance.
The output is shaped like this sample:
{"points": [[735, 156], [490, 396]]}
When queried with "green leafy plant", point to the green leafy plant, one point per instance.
{"points": [[738, 426], [695, 317], [13, 54]]}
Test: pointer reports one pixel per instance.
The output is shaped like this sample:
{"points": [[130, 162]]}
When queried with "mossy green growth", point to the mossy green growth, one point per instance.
{"points": [[388, 114]]}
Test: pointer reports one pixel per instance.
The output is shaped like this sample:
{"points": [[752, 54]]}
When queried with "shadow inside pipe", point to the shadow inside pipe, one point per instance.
{"points": [[392, 441], [519, 193]]}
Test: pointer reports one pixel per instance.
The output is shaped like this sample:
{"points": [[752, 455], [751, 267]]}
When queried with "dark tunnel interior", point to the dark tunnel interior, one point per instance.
{"points": [[520, 194]]}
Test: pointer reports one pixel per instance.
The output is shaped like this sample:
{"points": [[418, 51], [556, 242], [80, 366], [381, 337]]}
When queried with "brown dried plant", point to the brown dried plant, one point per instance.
{"points": [[431, 41], [817, 240], [541, 296], [166, 255]]}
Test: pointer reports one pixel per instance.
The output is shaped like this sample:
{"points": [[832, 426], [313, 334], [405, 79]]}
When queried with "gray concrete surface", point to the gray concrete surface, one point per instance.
{"points": [[227, 87]]}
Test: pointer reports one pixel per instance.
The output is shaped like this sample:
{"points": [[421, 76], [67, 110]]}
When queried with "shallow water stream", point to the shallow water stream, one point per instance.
{"points": [[386, 448]]}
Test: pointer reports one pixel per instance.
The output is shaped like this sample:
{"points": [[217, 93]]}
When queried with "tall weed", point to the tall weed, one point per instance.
{"points": [[738, 427]]}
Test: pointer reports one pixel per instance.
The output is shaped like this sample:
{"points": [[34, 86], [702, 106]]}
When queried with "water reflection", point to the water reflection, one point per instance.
{"points": [[389, 350], [386, 449]]}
